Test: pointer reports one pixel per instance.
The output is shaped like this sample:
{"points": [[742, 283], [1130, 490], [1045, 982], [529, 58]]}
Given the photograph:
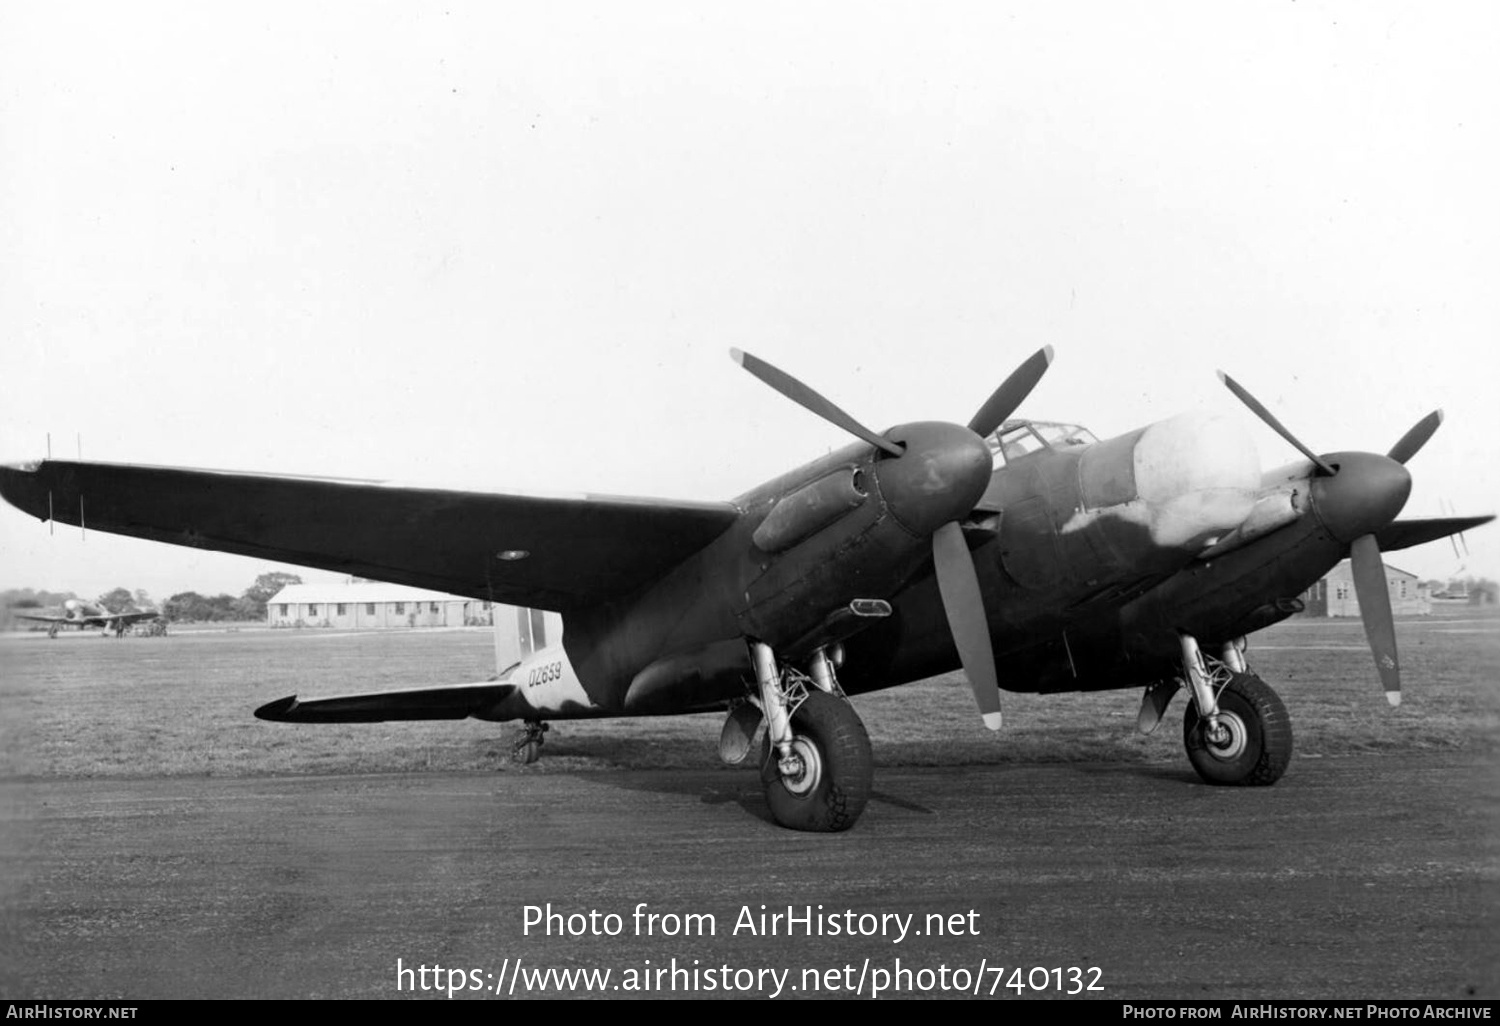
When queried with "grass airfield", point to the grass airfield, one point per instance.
{"points": [[82, 705], [157, 841]]}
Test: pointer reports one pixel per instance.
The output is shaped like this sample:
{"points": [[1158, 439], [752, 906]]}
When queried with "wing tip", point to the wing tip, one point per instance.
{"points": [[21, 486], [279, 711]]}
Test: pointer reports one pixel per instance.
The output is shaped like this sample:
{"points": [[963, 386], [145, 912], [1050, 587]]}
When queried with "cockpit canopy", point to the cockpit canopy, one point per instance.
{"points": [[1017, 438]]}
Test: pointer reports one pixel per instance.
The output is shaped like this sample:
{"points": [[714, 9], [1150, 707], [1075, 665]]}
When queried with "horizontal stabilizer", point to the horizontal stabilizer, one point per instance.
{"points": [[1403, 534], [453, 702]]}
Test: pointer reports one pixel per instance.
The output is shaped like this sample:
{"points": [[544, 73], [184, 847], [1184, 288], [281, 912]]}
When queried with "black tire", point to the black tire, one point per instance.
{"points": [[1260, 742], [831, 735], [526, 752]]}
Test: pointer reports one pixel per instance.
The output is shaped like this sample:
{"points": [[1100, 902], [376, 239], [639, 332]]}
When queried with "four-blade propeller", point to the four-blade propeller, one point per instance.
{"points": [[1356, 494], [960, 458]]}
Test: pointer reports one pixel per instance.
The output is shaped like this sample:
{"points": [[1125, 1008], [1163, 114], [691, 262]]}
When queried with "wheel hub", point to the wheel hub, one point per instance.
{"points": [[801, 771], [1228, 742]]}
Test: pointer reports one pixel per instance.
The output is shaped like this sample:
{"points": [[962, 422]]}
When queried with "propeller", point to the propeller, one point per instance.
{"points": [[936, 474], [1411, 443], [1011, 393], [1275, 425], [964, 606], [803, 396], [1375, 610], [1356, 494]]}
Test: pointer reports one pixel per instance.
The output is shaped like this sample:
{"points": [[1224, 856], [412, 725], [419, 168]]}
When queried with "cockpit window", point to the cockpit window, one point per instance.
{"points": [[1017, 438]]}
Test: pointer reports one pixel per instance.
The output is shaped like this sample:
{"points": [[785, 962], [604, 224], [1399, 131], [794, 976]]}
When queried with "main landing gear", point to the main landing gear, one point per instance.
{"points": [[816, 767], [1235, 729]]}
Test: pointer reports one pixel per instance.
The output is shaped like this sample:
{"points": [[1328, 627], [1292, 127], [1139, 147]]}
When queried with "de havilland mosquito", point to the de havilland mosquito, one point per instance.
{"points": [[1031, 554]]}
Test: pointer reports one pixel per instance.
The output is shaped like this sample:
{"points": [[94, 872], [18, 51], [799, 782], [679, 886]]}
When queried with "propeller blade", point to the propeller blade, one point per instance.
{"points": [[1011, 393], [1271, 422], [1413, 440], [1375, 610], [964, 605], [803, 396]]}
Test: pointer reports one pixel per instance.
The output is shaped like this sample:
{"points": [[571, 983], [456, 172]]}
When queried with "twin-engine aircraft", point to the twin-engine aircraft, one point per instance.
{"points": [[81, 614], [1031, 554]]}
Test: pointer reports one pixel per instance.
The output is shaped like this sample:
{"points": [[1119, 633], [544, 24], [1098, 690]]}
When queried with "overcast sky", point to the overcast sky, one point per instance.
{"points": [[510, 246]]}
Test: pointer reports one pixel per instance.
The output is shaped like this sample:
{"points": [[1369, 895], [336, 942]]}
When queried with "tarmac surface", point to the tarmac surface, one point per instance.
{"points": [[1355, 877]]}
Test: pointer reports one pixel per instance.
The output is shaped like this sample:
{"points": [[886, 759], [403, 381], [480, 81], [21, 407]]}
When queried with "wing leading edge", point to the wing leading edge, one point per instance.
{"points": [[563, 552], [1403, 534]]}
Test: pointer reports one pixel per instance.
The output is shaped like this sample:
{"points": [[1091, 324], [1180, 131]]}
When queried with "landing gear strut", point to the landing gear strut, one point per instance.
{"points": [[816, 765], [1236, 729], [528, 746]]}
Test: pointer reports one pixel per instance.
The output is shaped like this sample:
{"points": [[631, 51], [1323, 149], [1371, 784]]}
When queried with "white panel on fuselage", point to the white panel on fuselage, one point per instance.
{"points": [[545, 681]]}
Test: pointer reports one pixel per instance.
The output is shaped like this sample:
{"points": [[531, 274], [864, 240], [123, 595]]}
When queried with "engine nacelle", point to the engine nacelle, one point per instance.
{"points": [[810, 509]]}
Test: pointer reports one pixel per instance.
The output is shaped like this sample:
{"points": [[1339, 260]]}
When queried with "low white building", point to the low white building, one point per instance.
{"points": [[372, 604], [1334, 594]]}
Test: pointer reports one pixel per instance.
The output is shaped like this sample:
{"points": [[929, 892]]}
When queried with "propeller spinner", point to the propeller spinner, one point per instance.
{"points": [[932, 476], [1355, 494]]}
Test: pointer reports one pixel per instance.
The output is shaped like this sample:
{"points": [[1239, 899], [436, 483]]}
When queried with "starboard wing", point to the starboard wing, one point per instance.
{"points": [[541, 552], [1403, 534]]}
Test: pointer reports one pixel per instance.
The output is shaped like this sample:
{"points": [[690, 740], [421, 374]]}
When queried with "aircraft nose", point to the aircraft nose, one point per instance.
{"points": [[939, 477], [1366, 494], [1197, 474]]}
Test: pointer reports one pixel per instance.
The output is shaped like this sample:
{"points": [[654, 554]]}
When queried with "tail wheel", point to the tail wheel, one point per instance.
{"points": [[1254, 744], [834, 768], [528, 746]]}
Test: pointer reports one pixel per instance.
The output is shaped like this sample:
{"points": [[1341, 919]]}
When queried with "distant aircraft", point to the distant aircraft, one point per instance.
{"points": [[1142, 561], [81, 614]]}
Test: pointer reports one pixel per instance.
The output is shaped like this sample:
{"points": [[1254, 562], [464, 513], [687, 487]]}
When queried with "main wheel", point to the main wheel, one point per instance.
{"points": [[1256, 736], [832, 784]]}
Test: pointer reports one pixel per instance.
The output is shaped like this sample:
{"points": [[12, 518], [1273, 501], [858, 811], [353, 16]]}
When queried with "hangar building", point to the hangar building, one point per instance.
{"points": [[1334, 594], [372, 604]]}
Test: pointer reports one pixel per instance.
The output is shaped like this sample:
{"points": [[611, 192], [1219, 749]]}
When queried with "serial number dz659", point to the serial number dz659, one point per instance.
{"points": [[543, 674]]}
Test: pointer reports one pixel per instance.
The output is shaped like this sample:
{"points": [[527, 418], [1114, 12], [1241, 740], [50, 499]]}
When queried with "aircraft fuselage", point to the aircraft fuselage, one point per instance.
{"points": [[1059, 537]]}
